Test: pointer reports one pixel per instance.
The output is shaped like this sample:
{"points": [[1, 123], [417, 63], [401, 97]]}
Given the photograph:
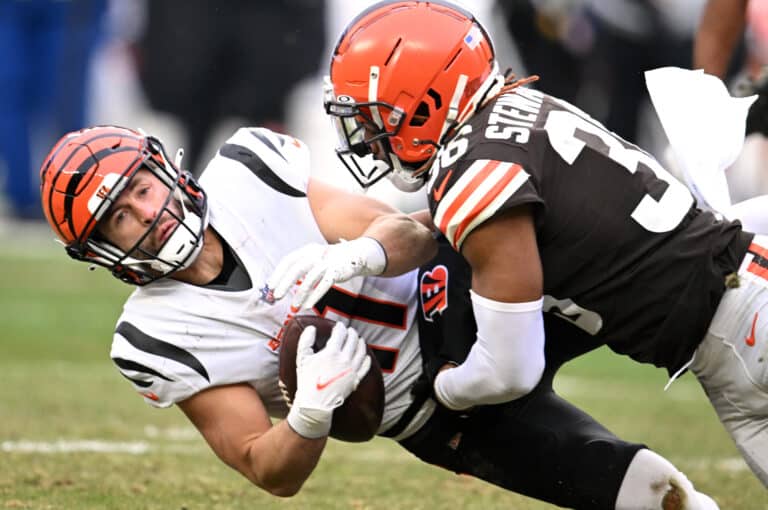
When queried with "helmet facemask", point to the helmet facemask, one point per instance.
{"points": [[362, 133]]}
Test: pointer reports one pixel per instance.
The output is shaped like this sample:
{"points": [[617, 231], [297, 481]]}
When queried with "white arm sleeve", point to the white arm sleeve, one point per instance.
{"points": [[505, 362]]}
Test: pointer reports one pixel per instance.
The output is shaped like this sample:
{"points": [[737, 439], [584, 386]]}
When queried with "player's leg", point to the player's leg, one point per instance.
{"points": [[651, 481], [543, 447], [539, 446], [731, 362]]}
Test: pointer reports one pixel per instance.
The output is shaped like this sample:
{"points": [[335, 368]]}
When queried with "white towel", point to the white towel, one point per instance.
{"points": [[705, 127]]}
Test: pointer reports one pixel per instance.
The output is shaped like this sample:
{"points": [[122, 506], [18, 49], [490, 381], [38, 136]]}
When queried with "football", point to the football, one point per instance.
{"points": [[359, 417]]}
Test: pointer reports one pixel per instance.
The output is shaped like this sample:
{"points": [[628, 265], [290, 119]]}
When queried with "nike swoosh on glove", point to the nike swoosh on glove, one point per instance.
{"points": [[324, 379]]}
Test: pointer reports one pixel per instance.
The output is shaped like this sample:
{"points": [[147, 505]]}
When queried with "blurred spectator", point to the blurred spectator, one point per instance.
{"points": [[553, 40], [204, 61], [757, 37], [45, 51], [719, 34], [756, 66], [723, 25], [634, 36], [593, 52], [732, 43]]}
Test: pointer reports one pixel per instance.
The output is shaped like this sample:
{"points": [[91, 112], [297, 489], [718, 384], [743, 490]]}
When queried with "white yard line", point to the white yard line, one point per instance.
{"points": [[156, 439], [175, 442], [76, 446], [66, 446], [726, 464]]}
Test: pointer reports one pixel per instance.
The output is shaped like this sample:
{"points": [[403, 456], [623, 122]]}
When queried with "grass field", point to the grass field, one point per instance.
{"points": [[74, 435]]}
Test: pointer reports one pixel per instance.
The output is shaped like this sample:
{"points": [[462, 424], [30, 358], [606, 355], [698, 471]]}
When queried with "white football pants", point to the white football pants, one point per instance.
{"points": [[732, 361]]}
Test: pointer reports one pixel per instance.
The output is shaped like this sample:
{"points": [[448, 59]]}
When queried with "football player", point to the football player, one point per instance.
{"points": [[557, 218], [202, 331]]}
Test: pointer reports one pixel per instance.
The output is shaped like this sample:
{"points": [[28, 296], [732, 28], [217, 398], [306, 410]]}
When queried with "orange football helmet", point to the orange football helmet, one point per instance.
{"points": [[82, 177], [403, 76]]}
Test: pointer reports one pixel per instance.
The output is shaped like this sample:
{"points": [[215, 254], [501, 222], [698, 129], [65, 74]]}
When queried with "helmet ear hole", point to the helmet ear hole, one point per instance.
{"points": [[422, 113], [420, 116]]}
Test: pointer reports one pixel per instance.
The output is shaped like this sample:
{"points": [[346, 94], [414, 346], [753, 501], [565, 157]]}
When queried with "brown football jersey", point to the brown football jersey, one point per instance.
{"points": [[626, 254]]}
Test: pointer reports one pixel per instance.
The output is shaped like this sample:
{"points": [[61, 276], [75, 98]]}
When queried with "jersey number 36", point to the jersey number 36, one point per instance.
{"points": [[662, 215]]}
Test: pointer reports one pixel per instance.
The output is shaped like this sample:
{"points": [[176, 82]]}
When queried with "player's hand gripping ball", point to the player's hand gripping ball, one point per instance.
{"points": [[359, 417]]}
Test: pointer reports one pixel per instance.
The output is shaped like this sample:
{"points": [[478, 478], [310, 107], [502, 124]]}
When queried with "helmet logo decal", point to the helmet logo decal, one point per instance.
{"points": [[433, 292], [102, 192]]}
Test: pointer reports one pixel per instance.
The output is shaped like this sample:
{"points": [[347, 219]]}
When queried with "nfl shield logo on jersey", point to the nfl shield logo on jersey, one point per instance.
{"points": [[267, 294], [432, 292]]}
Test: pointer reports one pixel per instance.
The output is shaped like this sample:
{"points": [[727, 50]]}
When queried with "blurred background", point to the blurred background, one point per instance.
{"points": [[191, 72]]}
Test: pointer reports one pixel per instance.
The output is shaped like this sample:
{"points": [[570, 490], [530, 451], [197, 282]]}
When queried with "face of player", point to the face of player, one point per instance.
{"points": [[376, 146], [143, 214]]}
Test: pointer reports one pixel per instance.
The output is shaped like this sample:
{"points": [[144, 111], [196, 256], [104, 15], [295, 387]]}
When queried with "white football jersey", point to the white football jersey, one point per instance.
{"points": [[174, 339]]}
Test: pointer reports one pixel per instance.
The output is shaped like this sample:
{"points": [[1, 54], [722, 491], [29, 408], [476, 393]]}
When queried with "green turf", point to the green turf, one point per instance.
{"points": [[57, 386]]}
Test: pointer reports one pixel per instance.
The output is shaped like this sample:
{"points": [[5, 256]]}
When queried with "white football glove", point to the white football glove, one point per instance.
{"points": [[320, 266], [324, 379]]}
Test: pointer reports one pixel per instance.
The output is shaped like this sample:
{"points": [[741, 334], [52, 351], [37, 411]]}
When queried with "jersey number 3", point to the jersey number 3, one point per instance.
{"points": [[563, 129]]}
